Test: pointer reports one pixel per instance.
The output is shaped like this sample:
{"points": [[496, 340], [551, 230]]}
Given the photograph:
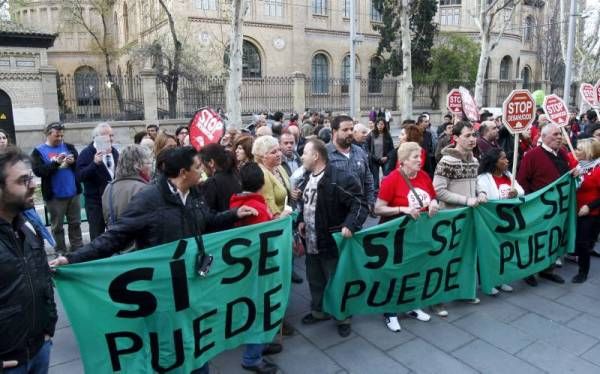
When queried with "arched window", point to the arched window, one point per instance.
{"points": [[528, 29], [87, 85], [251, 67], [320, 74], [526, 77], [505, 66], [375, 80], [125, 24], [346, 72]]}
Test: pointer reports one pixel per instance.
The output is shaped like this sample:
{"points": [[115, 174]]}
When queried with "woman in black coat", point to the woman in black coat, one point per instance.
{"points": [[379, 144]]}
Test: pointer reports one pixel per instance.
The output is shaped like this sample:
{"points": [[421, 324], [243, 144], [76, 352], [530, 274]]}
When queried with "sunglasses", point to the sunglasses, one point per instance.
{"points": [[55, 126]]}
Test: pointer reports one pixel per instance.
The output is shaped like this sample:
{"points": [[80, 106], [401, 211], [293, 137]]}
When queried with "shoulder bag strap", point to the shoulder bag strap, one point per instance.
{"points": [[412, 189]]}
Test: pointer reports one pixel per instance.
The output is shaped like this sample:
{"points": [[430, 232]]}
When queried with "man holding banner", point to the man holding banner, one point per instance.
{"points": [[540, 167], [161, 213], [332, 201]]}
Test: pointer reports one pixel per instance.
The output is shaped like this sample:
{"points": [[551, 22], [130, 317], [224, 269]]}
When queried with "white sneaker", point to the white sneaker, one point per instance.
{"points": [[419, 314], [474, 301], [393, 324], [506, 288], [440, 310], [495, 291], [558, 263]]}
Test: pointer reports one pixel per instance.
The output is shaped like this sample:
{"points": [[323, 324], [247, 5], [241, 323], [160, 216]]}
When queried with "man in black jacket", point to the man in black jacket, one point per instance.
{"points": [[96, 168], [54, 161], [27, 309], [332, 200]]}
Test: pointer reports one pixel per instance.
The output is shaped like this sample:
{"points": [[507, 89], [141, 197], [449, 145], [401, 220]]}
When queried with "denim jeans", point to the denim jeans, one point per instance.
{"points": [[204, 369], [252, 354], [38, 363]]}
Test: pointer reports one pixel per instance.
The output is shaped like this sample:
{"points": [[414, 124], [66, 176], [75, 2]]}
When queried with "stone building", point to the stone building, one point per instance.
{"points": [[27, 83]]}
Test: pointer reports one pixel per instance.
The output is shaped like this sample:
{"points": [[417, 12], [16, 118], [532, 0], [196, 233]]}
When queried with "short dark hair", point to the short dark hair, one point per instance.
{"points": [[8, 157], [180, 129], [337, 120], [459, 126], [407, 122], [252, 177], [421, 118], [319, 147], [54, 126], [591, 115], [489, 160], [485, 115], [137, 138], [175, 159], [448, 115], [224, 160]]}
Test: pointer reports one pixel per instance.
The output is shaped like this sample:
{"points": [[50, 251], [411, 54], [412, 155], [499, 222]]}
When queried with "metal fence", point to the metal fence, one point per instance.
{"points": [[268, 94], [504, 89], [378, 93], [191, 96], [426, 95], [327, 94], [559, 90], [92, 97]]}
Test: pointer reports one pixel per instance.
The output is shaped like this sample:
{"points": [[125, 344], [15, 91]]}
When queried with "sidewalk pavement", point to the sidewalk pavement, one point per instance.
{"points": [[550, 328]]}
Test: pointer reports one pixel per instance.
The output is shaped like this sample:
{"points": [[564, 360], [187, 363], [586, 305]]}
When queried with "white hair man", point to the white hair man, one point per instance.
{"points": [[95, 169]]}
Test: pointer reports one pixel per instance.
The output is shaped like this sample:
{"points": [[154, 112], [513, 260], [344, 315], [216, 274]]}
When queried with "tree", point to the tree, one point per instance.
{"points": [[486, 19], [234, 85], [76, 12]]}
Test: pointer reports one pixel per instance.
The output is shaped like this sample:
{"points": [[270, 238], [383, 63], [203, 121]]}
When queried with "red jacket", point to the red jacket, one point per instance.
{"points": [[589, 191], [253, 200]]}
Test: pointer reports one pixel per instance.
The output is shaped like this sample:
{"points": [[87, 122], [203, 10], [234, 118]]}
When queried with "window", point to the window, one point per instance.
{"points": [[251, 66], [87, 84], [505, 66], [526, 77], [376, 15], [346, 74], [528, 29], [320, 74], [449, 2], [450, 15], [273, 8], [320, 7], [125, 24], [206, 4], [375, 81]]}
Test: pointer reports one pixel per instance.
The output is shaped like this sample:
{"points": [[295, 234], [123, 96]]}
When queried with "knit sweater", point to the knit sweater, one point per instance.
{"points": [[539, 168], [455, 178]]}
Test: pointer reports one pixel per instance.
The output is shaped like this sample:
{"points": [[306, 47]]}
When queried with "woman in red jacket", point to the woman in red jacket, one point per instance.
{"points": [[588, 205]]}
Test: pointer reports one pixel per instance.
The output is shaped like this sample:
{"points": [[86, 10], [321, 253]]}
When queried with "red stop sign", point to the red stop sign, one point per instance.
{"points": [[518, 111], [557, 110], [469, 105], [454, 102], [587, 93], [205, 127], [597, 93]]}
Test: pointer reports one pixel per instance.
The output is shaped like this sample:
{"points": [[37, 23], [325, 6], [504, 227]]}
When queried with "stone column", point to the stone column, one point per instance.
{"points": [[492, 93], [49, 94], [150, 98], [443, 90], [357, 96], [299, 92]]}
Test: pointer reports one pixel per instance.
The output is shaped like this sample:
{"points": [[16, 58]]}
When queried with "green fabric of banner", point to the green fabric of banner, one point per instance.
{"points": [[520, 237], [404, 264], [148, 311]]}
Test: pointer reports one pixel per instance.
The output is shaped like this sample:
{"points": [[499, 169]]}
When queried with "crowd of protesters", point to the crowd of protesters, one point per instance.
{"points": [[334, 171]]}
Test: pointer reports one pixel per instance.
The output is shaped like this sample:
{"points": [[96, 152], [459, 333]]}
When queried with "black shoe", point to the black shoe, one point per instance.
{"points": [[287, 329], [310, 319], [530, 280], [552, 277], [296, 278], [344, 330], [264, 367], [594, 253], [272, 349], [579, 278]]}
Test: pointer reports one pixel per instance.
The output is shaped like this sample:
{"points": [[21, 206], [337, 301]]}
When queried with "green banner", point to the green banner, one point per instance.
{"points": [[523, 236], [149, 311], [404, 264]]}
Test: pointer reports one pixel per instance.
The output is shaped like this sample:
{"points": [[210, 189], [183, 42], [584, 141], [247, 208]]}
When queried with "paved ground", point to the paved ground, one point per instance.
{"points": [[550, 328]]}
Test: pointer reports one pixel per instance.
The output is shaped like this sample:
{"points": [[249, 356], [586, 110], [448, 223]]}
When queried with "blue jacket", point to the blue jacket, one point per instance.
{"points": [[94, 177]]}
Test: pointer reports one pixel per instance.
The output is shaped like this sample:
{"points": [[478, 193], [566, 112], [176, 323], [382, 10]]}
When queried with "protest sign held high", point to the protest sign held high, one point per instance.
{"points": [[149, 311], [404, 264]]}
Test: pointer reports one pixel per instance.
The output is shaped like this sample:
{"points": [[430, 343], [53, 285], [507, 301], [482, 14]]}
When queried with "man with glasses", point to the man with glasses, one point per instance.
{"points": [[27, 308], [54, 161]]}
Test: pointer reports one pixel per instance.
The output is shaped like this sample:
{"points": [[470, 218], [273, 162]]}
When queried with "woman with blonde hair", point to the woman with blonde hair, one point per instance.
{"points": [[267, 154]]}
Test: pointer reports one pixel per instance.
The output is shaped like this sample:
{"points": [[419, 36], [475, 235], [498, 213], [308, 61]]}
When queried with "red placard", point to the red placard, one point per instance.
{"points": [[597, 94], [469, 105], [518, 111], [557, 110], [454, 101], [205, 127], [587, 92]]}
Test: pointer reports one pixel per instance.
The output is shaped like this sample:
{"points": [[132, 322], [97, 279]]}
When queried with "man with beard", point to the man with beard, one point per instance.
{"points": [[349, 157], [27, 308]]}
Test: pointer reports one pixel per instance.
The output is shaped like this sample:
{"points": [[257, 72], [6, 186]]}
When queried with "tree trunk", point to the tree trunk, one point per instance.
{"points": [[406, 86], [484, 55], [234, 84], [172, 81], [114, 85]]}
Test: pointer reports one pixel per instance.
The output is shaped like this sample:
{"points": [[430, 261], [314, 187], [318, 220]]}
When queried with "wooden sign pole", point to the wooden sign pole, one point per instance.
{"points": [[569, 144], [514, 161]]}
